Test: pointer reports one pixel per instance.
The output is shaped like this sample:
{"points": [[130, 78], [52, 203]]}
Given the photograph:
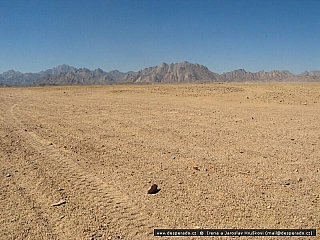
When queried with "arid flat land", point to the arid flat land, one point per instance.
{"points": [[77, 162]]}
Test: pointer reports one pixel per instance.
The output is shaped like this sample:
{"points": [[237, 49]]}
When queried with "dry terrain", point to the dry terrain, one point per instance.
{"points": [[77, 162]]}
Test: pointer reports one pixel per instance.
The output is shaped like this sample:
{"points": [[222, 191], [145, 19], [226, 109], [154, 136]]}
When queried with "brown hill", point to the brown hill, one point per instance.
{"points": [[242, 75], [81, 76], [184, 72]]}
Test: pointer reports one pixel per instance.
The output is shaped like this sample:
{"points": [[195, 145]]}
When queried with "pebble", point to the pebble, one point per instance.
{"points": [[8, 175], [269, 207], [59, 203], [299, 179], [196, 168], [153, 189]]}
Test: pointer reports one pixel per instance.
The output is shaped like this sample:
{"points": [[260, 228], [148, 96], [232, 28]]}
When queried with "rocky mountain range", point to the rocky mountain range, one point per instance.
{"points": [[242, 75], [311, 73], [184, 72]]}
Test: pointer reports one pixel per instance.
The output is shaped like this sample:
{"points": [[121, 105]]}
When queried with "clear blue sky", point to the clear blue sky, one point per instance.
{"points": [[131, 35]]}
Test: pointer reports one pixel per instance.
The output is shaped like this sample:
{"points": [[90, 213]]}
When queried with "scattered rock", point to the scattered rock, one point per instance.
{"points": [[174, 157], [299, 179], [99, 235], [26, 130], [51, 144], [153, 189], [292, 139], [61, 217], [196, 168], [59, 203], [8, 175], [269, 207], [241, 151]]}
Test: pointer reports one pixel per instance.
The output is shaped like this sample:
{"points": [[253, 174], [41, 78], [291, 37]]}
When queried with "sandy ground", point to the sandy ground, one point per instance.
{"points": [[224, 156]]}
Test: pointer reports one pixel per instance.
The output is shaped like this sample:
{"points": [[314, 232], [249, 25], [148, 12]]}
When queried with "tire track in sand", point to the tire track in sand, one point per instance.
{"points": [[123, 216]]}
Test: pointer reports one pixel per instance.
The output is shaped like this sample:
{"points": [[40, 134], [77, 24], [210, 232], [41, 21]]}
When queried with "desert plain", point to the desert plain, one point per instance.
{"points": [[76, 162]]}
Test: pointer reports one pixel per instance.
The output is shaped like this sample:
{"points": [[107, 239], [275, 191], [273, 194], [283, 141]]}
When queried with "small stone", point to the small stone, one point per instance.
{"points": [[153, 189], [61, 217], [292, 139], [8, 175], [269, 207], [109, 238], [174, 157], [299, 179], [241, 151], [196, 168], [26, 130], [59, 203], [51, 144], [99, 235]]}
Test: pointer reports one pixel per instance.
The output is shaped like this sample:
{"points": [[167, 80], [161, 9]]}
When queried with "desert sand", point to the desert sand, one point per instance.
{"points": [[77, 161]]}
